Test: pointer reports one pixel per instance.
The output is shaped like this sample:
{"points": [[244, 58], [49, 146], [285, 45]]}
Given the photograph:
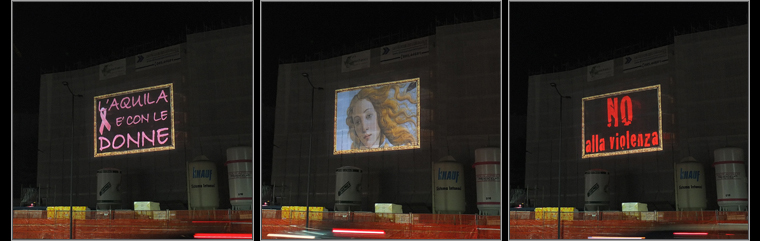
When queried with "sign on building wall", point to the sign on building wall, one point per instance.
{"points": [[645, 59], [354, 61], [157, 58], [112, 69], [404, 50], [600, 71], [378, 117], [623, 122], [134, 121]]}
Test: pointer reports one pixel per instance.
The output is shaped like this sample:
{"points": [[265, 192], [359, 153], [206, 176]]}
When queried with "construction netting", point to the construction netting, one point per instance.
{"points": [[582, 225], [127, 224], [392, 225]]}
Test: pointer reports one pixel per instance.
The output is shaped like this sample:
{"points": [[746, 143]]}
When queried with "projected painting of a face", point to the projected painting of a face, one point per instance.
{"points": [[378, 117]]}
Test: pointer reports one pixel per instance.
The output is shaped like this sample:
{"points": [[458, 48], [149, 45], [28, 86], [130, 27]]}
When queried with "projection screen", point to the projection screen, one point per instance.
{"points": [[377, 117], [134, 121], [623, 122]]}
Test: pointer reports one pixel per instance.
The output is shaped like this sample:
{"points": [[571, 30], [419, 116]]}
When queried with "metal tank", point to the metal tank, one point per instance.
{"points": [[487, 180], [240, 175], [203, 188], [109, 183], [448, 187], [731, 179], [348, 188], [690, 185], [596, 194]]}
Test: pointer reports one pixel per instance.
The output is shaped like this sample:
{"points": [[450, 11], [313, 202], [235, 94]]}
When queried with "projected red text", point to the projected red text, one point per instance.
{"points": [[631, 122]]}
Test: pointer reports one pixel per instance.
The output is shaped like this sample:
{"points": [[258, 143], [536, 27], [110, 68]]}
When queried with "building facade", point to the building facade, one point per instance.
{"points": [[147, 116], [696, 88], [455, 76]]}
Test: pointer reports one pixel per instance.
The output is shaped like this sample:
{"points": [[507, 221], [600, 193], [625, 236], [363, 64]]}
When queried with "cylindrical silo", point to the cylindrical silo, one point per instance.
{"points": [[348, 191], [203, 185], [240, 175], [731, 179], [449, 186], [109, 182], [690, 185], [487, 180], [596, 193]]}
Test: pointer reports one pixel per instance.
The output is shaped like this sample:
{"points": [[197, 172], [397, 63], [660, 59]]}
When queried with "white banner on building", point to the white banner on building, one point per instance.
{"points": [[405, 50], [645, 59], [113, 69], [355, 61], [600, 70], [157, 58]]}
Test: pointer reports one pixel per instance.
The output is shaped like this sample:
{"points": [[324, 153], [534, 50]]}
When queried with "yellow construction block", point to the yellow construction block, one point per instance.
{"points": [[633, 210], [550, 213], [162, 215], [147, 206], [385, 217], [635, 207], [63, 212], [315, 213], [387, 208], [143, 214]]}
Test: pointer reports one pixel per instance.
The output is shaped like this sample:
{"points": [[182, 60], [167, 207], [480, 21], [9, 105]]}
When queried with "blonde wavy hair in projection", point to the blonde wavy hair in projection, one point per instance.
{"points": [[391, 115]]}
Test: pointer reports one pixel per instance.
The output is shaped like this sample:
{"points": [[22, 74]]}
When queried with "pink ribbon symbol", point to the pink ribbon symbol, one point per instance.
{"points": [[104, 122]]}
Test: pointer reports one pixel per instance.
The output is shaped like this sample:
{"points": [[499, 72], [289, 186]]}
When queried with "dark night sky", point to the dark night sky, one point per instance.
{"points": [[547, 35], [53, 35]]}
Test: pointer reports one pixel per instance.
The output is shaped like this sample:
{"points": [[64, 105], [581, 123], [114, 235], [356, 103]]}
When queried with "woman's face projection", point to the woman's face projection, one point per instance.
{"points": [[377, 117], [365, 124]]}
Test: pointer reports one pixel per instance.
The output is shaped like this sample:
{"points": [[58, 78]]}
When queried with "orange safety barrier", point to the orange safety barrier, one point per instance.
{"points": [[35, 224], [525, 224], [394, 226]]}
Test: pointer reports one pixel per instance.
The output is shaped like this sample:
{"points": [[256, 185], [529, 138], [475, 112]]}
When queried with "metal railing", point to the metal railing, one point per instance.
{"points": [[128, 224], [655, 216], [295, 217], [215, 215], [394, 225]]}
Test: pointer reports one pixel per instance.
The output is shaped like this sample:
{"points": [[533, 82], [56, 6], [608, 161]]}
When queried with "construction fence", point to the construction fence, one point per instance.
{"points": [[582, 225], [128, 224], [394, 225]]}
